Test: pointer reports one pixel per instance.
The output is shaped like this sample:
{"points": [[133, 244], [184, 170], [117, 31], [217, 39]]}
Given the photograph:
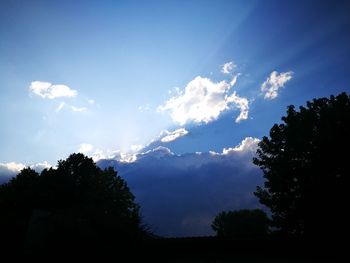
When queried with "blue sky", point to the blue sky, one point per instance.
{"points": [[123, 57], [118, 79]]}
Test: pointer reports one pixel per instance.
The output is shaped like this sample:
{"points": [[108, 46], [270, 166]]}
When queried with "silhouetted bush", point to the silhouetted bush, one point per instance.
{"points": [[241, 224]]}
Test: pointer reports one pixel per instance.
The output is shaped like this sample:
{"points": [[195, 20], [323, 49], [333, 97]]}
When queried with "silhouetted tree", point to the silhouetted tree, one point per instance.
{"points": [[241, 223], [306, 166], [72, 206], [17, 197]]}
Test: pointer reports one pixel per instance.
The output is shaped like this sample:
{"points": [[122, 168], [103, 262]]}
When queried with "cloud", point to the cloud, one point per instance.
{"points": [[274, 82], [156, 153], [85, 148], [11, 169], [228, 67], [136, 147], [12, 166], [173, 135], [138, 151], [242, 104], [51, 91], [76, 109], [60, 107], [73, 108], [98, 154], [91, 101], [203, 100], [249, 144], [122, 157], [181, 194]]}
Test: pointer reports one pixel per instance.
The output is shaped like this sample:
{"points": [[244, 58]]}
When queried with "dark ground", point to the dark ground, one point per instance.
{"points": [[198, 249], [211, 249]]}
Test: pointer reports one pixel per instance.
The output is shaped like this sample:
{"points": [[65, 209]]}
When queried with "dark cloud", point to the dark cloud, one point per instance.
{"points": [[6, 173], [181, 194]]}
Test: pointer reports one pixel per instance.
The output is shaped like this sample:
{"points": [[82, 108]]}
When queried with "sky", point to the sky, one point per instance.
{"points": [[123, 80]]}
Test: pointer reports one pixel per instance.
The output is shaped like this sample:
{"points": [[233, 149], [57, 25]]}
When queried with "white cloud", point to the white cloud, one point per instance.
{"points": [[99, 154], [203, 101], [242, 104], [12, 166], [73, 108], [249, 144], [234, 79], [122, 157], [50, 91], [91, 101], [85, 148], [76, 109], [40, 166], [228, 67], [11, 169], [157, 153], [60, 107], [274, 82], [136, 147], [173, 135], [127, 157]]}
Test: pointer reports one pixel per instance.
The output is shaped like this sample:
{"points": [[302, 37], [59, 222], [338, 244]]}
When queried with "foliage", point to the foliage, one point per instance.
{"points": [[305, 164], [76, 202], [241, 223]]}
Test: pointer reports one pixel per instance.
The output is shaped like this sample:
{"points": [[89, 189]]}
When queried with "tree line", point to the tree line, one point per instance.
{"points": [[304, 164], [76, 206]]}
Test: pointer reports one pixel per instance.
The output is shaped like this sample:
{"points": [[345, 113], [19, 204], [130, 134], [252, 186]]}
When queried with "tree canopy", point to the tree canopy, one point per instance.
{"points": [[241, 223], [75, 204], [306, 169]]}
